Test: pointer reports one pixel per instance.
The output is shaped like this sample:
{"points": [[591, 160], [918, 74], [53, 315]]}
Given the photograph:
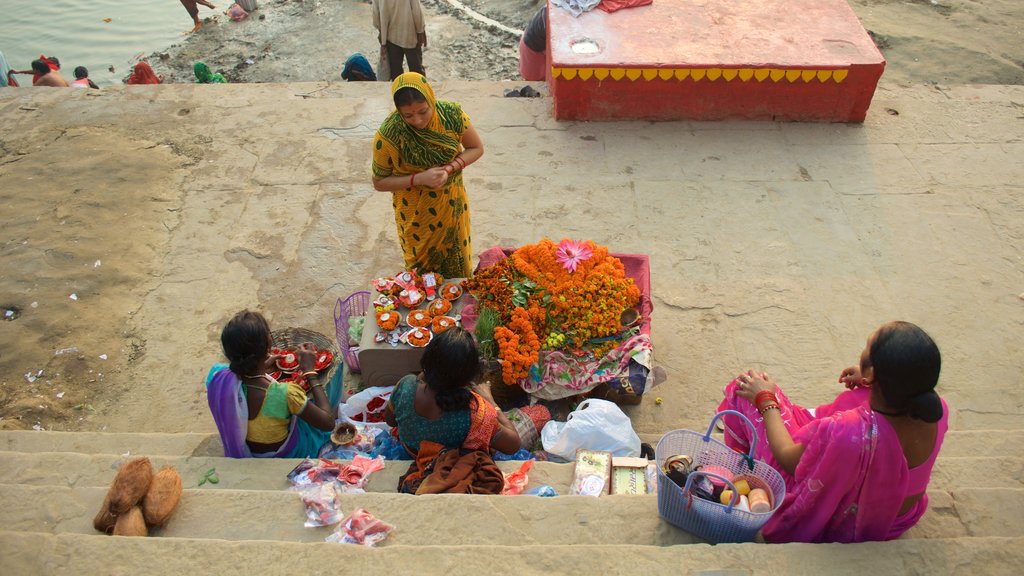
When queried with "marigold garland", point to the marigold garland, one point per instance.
{"points": [[564, 309], [518, 346]]}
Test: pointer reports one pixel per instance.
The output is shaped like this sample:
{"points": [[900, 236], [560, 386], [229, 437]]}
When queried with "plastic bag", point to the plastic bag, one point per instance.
{"points": [[594, 425], [516, 481], [315, 472], [390, 448], [367, 407], [237, 13], [360, 528], [358, 471], [321, 504]]}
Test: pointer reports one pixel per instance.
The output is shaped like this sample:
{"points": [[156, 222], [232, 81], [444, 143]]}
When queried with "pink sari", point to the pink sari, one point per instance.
{"points": [[851, 479]]}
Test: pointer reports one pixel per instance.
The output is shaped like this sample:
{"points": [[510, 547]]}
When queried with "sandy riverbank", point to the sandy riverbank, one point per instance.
{"points": [[924, 41]]}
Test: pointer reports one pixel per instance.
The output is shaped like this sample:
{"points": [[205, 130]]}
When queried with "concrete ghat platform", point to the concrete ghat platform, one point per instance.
{"points": [[792, 60]]}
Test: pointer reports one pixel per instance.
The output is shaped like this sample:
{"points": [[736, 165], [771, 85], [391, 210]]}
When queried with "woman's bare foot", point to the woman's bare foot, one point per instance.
{"points": [[194, 28]]}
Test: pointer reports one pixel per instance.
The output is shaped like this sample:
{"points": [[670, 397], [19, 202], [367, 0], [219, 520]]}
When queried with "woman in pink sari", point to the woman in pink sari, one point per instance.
{"points": [[856, 469]]}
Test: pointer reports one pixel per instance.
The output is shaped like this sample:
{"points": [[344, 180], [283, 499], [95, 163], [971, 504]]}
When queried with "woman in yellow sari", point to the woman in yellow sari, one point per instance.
{"points": [[419, 153]]}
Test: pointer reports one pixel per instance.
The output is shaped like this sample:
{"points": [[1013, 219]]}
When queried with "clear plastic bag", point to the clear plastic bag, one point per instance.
{"points": [[360, 528], [321, 502]]}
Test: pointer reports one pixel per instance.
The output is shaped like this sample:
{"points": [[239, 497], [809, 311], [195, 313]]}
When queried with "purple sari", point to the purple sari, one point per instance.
{"points": [[231, 413]]}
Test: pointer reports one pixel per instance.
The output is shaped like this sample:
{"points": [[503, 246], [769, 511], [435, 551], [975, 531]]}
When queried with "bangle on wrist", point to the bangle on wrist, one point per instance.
{"points": [[765, 396], [765, 410], [412, 179]]}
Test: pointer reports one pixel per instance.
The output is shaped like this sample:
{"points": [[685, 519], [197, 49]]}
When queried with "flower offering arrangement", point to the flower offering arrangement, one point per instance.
{"points": [[425, 300], [568, 297]]}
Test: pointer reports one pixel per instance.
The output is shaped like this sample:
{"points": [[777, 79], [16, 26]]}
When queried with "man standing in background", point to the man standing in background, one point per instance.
{"points": [[401, 33]]}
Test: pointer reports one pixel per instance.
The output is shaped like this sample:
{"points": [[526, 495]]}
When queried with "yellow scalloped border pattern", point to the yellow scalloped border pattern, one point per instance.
{"points": [[699, 74]]}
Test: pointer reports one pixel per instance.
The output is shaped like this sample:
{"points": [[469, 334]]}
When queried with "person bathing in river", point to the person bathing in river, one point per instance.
{"points": [[193, 11]]}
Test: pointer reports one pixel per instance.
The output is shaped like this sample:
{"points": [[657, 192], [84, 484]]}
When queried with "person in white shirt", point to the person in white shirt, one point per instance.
{"points": [[401, 34]]}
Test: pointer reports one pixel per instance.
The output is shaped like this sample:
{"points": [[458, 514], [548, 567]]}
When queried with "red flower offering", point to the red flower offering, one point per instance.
{"points": [[288, 361], [323, 359]]}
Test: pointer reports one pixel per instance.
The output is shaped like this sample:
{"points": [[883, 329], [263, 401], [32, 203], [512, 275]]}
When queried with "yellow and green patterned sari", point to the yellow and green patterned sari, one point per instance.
{"points": [[433, 223]]}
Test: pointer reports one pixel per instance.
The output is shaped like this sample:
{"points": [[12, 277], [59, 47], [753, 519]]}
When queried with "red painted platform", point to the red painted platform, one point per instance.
{"points": [[795, 60]]}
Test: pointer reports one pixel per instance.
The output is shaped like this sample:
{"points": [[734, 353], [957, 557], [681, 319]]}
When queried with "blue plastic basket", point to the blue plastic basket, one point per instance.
{"points": [[714, 522], [355, 305]]}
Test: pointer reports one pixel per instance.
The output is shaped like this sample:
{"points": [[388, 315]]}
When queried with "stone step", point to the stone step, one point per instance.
{"points": [[98, 470], [996, 442], [180, 444], [227, 514], [71, 554], [73, 469]]}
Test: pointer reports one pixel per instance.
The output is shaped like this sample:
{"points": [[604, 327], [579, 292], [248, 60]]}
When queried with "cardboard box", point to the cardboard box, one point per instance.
{"points": [[593, 473], [629, 475]]}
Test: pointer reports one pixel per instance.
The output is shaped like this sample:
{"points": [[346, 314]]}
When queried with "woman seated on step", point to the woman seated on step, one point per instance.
{"points": [[255, 414], [439, 408], [856, 469]]}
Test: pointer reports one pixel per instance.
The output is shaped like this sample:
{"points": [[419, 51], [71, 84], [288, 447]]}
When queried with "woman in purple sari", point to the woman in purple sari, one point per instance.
{"points": [[856, 469], [256, 415]]}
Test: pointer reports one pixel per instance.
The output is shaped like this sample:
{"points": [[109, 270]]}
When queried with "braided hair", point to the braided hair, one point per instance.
{"points": [[246, 342], [906, 364], [450, 363]]}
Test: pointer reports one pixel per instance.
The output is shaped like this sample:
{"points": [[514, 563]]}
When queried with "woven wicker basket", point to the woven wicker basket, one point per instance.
{"points": [[293, 337]]}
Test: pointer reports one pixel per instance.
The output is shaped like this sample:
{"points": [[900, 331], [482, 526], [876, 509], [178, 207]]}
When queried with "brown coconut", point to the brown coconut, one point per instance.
{"points": [[163, 496], [131, 523], [104, 520], [130, 485]]}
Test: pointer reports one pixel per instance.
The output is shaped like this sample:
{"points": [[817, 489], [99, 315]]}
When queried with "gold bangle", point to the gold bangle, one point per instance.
{"points": [[770, 407], [311, 373]]}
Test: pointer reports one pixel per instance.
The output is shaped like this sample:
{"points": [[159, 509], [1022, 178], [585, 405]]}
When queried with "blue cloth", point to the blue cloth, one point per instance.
{"points": [[357, 67], [521, 454]]}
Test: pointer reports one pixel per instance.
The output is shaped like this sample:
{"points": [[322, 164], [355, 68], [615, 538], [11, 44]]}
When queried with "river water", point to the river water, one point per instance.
{"points": [[74, 31]]}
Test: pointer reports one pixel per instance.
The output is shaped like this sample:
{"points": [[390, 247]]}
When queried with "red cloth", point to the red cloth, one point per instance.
{"points": [[36, 76], [613, 5], [143, 74]]}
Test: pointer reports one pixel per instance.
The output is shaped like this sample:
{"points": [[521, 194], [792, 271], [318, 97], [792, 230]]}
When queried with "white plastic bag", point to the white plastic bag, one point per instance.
{"points": [[594, 425], [366, 408]]}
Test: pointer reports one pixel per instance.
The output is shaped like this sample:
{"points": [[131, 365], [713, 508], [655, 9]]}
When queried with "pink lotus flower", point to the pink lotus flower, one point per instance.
{"points": [[571, 252]]}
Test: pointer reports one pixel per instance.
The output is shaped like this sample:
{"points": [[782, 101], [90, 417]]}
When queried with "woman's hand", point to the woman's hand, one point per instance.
{"points": [[307, 357], [748, 384], [270, 364], [432, 177], [484, 390], [852, 379]]}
